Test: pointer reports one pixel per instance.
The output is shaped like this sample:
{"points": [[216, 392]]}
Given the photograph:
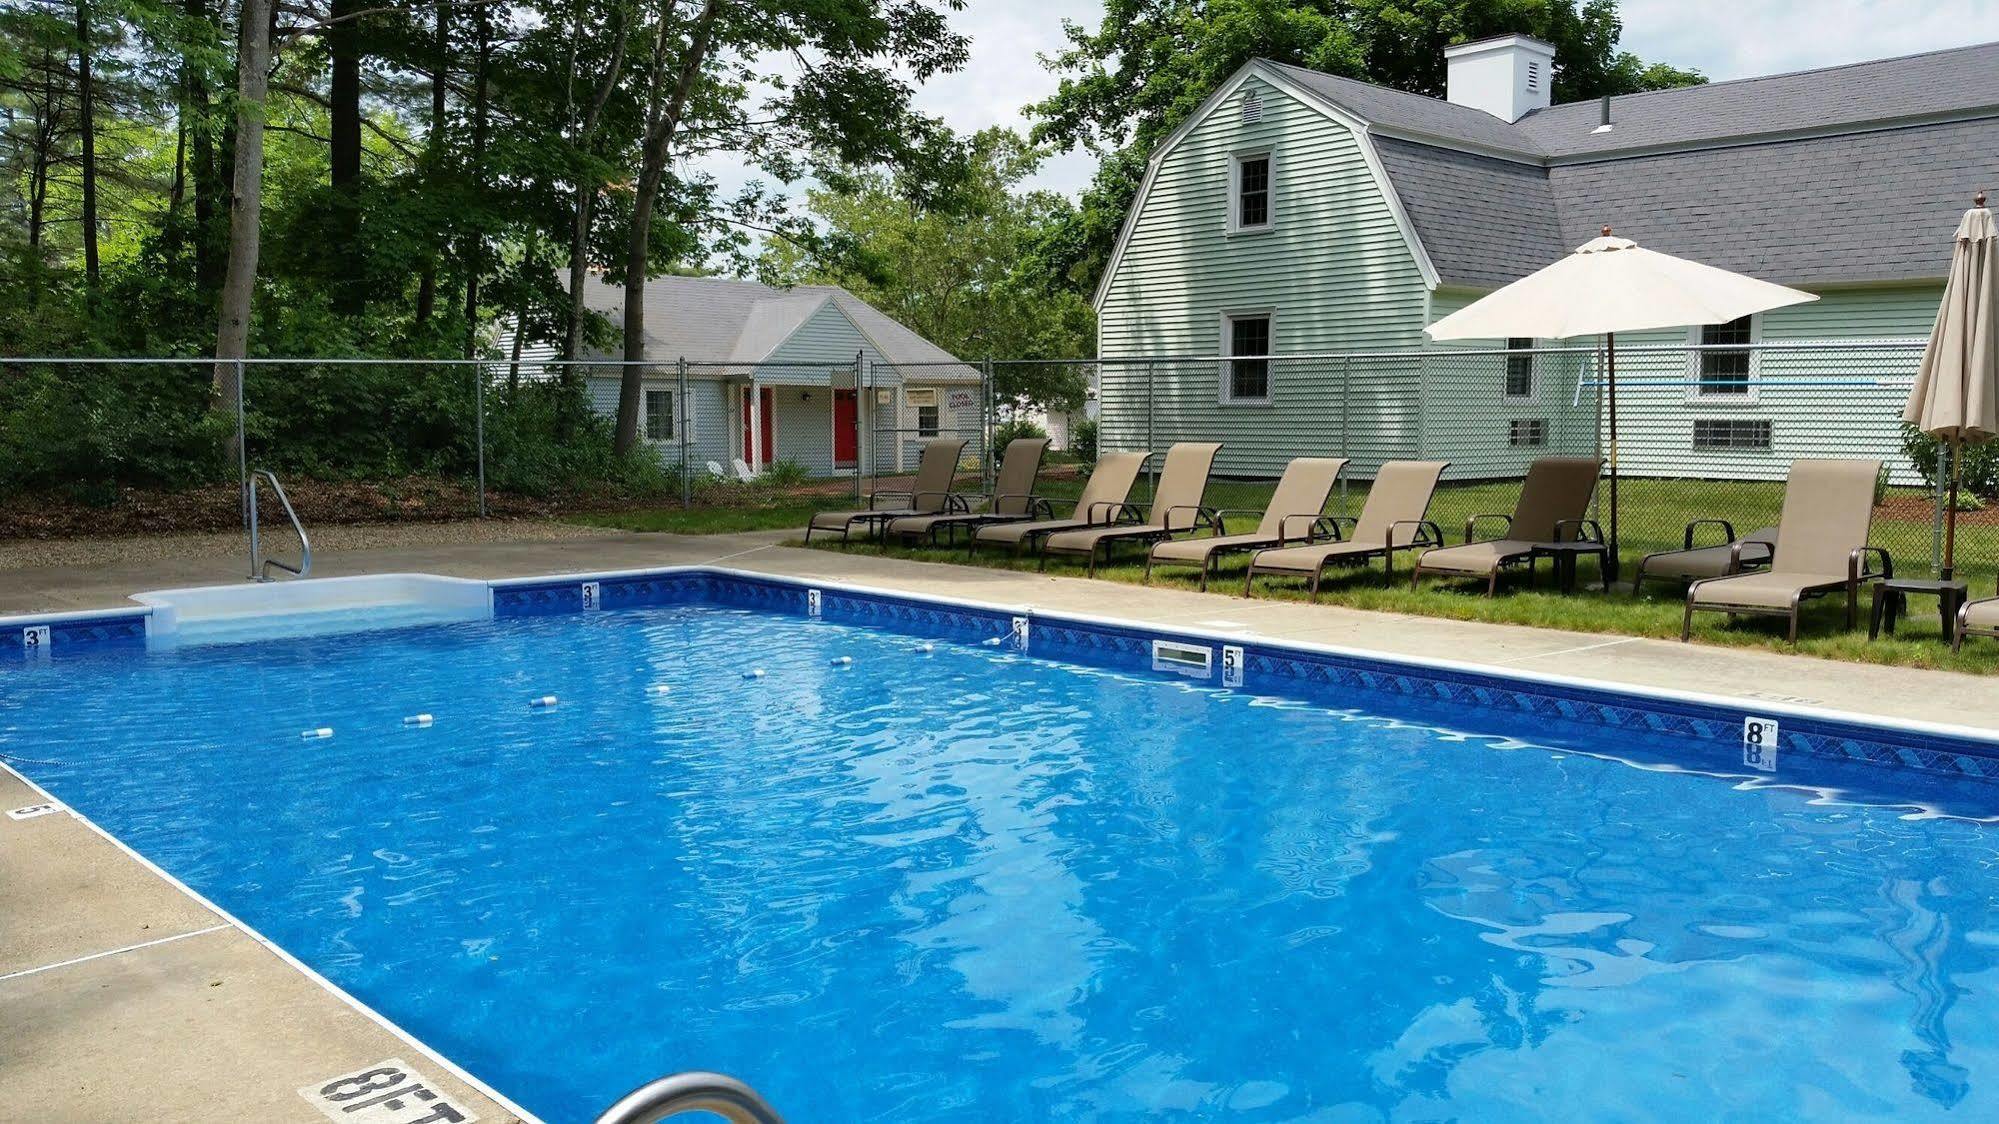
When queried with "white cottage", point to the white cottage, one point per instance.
{"points": [[771, 376]]}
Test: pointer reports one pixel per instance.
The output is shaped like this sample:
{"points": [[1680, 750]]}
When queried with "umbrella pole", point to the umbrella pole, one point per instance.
{"points": [[1950, 512], [1610, 353]]}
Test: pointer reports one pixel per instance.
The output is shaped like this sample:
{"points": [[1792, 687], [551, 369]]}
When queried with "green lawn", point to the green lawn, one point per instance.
{"points": [[1653, 514]]}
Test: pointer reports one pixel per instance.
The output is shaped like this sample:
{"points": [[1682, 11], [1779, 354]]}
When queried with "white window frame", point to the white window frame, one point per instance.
{"points": [[1749, 393], [1533, 370], [910, 395], [1269, 223], [682, 412], [1224, 391]]}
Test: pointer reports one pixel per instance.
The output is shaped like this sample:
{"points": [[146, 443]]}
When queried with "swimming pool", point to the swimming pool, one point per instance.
{"points": [[953, 880]]}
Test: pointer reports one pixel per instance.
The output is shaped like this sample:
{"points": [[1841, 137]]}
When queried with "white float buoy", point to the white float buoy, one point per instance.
{"points": [[658, 689], [321, 732], [417, 720], [843, 661], [926, 649], [754, 673], [543, 703]]}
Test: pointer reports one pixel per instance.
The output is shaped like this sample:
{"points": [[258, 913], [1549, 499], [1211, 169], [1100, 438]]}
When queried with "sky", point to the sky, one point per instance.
{"points": [[1720, 38]]}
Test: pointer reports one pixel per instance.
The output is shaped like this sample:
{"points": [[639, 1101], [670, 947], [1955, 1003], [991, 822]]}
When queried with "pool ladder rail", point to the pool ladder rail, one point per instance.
{"points": [[260, 566], [692, 1091]]}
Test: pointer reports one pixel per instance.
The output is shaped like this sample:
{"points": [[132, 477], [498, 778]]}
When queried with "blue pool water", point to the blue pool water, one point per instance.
{"points": [[969, 885]]}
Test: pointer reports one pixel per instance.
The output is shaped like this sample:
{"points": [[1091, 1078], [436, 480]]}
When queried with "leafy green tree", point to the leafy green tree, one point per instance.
{"points": [[1129, 83], [951, 269]]}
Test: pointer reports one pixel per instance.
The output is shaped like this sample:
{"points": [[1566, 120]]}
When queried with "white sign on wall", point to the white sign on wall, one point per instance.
{"points": [[962, 400]]}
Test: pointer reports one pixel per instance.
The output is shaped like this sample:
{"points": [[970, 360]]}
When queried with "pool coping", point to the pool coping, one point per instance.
{"points": [[88, 628]]}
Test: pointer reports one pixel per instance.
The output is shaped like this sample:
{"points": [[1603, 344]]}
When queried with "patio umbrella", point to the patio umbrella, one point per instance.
{"points": [[1956, 396], [1611, 285]]}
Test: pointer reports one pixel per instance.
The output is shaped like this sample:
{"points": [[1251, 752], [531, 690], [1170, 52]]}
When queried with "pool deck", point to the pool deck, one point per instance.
{"points": [[124, 997]]}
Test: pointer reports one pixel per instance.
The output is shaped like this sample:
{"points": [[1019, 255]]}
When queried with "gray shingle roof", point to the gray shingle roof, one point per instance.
{"points": [[1890, 154], [731, 320]]}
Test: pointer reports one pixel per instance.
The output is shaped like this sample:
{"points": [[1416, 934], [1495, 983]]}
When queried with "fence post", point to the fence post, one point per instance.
{"points": [[1422, 393], [479, 428], [1151, 463], [686, 423], [1941, 506], [1346, 423], [860, 450], [243, 468], [988, 423]]}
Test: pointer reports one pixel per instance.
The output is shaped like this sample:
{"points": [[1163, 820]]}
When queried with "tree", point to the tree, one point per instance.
{"points": [[239, 284], [1128, 84], [847, 106], [953, 270]]}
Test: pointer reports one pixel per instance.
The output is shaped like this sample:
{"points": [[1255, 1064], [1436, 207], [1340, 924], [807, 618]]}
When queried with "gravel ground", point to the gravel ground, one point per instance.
{"points": [[23, 554]]}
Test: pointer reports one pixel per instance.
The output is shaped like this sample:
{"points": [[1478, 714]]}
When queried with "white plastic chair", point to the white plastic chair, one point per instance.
{"points": [[716, 470], [744, 472]]}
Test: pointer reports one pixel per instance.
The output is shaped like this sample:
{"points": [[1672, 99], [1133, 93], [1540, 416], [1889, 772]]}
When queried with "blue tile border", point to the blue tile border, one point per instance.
{"points": [[1710, 728]]}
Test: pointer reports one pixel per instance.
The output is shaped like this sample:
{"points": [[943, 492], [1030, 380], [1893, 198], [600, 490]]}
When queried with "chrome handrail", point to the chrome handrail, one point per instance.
{"points": [[693, 1091], [260, 567]]}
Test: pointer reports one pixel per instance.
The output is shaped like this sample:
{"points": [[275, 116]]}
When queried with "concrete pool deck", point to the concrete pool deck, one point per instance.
{"points": [[122, 997]]}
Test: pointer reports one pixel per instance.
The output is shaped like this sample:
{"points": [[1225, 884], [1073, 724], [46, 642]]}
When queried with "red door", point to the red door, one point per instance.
{"points": [[846, 427], [763, 418]]}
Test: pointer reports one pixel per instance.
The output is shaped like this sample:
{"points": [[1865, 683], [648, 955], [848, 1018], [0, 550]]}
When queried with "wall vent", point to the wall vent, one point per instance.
{"points": [[1187, 659], [1252, 108], [1533, 77]]}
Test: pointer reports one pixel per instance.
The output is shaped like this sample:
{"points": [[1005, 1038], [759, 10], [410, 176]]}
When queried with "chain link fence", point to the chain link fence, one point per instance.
{"points": [[1703, 432]]}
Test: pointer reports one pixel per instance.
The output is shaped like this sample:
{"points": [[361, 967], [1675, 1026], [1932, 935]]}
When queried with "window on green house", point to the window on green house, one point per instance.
{"points": [[1520, 368], [1247, 379], [659, 415], [1252, 191], [1724, 367]]}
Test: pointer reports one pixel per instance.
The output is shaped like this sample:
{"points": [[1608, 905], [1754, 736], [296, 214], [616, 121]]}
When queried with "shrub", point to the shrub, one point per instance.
{"points": [[1083, 441], [1013, 430], [783, 473], [1980, 463]]}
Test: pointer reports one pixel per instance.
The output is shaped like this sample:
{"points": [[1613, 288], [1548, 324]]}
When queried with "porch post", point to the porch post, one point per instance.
{"points": [[755, 409]]}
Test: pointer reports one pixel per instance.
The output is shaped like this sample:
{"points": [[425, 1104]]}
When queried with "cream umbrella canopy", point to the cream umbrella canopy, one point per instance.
{"points": [[1956, 396], [1611, 285]]}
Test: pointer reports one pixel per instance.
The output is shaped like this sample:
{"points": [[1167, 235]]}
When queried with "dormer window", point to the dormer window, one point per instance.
{"points": [[1250, 182]]}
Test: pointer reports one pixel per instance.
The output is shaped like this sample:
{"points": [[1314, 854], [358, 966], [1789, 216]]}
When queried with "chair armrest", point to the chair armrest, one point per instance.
{"points": [[1427, 533], [1284, 527], [1114, 510], [1202, 516], [1334, 521], [1580, 525], [1222, 517], [953, 501], [1727, 531], [1856, 566], [1471, 525], [873, 496]]}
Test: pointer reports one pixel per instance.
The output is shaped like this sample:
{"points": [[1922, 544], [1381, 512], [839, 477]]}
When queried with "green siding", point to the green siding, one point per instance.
{"points": [[1334, 273]]}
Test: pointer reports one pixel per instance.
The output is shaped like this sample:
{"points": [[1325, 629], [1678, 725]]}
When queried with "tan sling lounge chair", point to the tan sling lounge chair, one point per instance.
{"points": [[932, 494], [1554, 500], [1175, 507], [1821, 548], [1102, 501], [1733, 555], [1013, 496], [1391, 520], [1295, 514], [1975, 618]]}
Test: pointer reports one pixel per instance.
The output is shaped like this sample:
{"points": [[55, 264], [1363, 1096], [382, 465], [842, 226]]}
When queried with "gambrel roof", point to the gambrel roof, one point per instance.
{"points": [[1842, 175]]}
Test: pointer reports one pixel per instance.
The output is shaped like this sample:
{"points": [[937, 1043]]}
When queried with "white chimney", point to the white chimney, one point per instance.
{"points": [[1507, 75]]}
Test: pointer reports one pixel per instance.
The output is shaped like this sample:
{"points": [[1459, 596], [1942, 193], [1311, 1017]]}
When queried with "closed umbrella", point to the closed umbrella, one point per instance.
{"points": [[1611, 285], [1956, 396]]}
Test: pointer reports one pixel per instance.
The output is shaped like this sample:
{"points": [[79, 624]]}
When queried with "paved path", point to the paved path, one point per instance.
{"points": [[120, 997]]}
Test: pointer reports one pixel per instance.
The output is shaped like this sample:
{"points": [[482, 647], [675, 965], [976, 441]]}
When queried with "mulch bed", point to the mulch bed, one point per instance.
{"points": [[1922, 509], [137, 511]]}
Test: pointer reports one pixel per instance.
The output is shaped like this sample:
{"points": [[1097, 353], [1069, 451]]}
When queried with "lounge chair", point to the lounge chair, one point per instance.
{"points": [[1295, 514], [1013, 496], [716, 470], [1175, 508], [1733, 555], [1554, 500], [1821, 548], [1102, 501], [932, 493], [1392, 519], [1975, 618], [744, 473]]}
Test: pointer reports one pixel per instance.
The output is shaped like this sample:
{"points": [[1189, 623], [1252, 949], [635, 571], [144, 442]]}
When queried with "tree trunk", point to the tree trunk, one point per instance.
{"points": [[86, 112], [343, 43], [426, 285], [475, 244], [239, 284], [207, 177], [586, 196], [660, 129]]}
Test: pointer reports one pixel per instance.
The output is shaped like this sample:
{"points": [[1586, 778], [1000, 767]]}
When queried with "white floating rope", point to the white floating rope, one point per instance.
{"points": [[754, 673], [843, 661], [417, 720], [659, 689], [545, 702], [320, 732]]}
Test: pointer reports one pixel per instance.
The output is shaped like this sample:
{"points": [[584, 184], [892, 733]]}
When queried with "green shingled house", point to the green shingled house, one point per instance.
{"points": [[1296, 213]]}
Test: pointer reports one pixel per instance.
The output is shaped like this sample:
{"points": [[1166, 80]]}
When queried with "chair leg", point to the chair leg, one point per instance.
{"points": [[1415, 577], [1206, 565], [1146, 578], [1318, 575], [1687, 621], [1852, 605], [1249, 579], [1492, 583], [1793, 637]]}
